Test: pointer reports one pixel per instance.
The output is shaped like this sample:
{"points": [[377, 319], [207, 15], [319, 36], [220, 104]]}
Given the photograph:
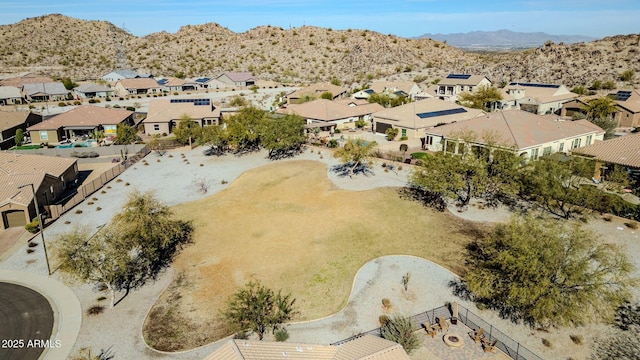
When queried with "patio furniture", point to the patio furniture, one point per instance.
{"points": [[454, 313], [431, 330], [489, 346], [477, 335], [443, 323]]}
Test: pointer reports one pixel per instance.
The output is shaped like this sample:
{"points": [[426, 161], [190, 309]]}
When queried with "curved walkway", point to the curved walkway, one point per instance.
{"points": [[67, 311]]}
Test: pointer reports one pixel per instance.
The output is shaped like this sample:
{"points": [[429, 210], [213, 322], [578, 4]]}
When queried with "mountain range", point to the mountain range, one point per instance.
{"points": [[504, 39], [62, 46]]}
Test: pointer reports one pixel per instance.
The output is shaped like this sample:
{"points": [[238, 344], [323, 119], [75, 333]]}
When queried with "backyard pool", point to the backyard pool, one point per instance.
{"points": [[87, 143]]}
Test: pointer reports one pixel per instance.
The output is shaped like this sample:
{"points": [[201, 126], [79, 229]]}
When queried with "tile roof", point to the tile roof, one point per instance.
{"points": [[381, 86], [543, 94], [139, 83], [624, 150], [125, 73], [92, 87], [163, 111], [407, 115], [632, 103], [472, 80], [327, 110], [85, 115], [19, 169], [367, 347], [9, 92], [50, 88], [317, 89], [11, 119], [238, 76], [519, 129], [19, 81]]}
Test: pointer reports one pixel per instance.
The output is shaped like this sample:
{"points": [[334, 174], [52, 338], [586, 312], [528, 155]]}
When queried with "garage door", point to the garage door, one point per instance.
{"points": [[381, 128], [14, 218]]}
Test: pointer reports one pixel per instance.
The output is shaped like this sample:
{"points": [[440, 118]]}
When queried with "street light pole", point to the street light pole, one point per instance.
{"points": [[44, 245]]}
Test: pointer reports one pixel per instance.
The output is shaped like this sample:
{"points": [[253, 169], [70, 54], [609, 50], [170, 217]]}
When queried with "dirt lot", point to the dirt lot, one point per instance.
{"points": [[287, 226]]}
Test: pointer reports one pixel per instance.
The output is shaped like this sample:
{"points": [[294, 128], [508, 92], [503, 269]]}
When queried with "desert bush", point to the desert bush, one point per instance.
{"points": [[386, 303], [546, 342], [78, 211], [577, 339], [32, 227], [95, 310], [632, 224], [32, 244], [281, 335], [383, 320], [62, 104], [399, 329]]}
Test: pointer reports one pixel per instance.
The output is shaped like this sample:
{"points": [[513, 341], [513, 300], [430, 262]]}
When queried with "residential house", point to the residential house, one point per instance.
{"points": [[173, 84], [621, 151], [165, 114], [528, 135], [539, 98], [10, 95], [450, 88], [414, 118], [239, 79], [366, 347], [92, 90], [209, 83], [314, 91], [628, 108], [407, 89], [11, 121], [49, 91], [329, 114], [50, 176], [137, 86], [80, 122], [120, 74], [26, 78]]}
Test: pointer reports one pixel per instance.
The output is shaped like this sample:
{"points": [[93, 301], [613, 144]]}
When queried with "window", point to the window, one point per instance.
{"points": [[428, 140], [576, 143], [44, 135], [404, 132], [156, 127], [546, 151], [561, 147], [589, 140], [534, 154]]}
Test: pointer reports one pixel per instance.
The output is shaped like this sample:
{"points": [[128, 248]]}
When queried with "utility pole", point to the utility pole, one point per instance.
{"points": [[44, 245]]}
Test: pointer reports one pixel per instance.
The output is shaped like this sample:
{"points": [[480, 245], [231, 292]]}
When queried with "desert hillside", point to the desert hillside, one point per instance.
{"points": [[58, 45]]}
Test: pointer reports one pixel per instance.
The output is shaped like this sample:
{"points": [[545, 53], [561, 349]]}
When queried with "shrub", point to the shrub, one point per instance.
{"points": [[98, 208], [116, 106], [337, 131], [577, 339], [281, 335], [383, 320], [32, 244], [386, 303], [77, 102], [95, 310], [546, 342], [130, 108], [32, 227], [78, 211], [399, 329], [62, 104], [632, 224], [333, 143]]}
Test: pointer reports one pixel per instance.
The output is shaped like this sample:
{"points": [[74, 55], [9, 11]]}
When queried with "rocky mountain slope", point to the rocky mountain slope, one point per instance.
{"points": [[62, 46]]}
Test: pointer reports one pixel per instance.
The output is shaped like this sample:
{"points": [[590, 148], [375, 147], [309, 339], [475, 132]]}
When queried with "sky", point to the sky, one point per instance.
{"points": [[406, 18]]}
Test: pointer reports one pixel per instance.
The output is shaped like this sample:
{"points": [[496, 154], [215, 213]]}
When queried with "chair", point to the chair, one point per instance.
{"points": [[443, 323], [489, 346], [431, 330], [477, 335]]}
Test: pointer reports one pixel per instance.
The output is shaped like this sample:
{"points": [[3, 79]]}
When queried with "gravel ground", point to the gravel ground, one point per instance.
{"points": [[172, 179]]}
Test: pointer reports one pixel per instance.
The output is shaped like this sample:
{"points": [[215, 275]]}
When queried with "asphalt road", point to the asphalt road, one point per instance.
{"points": [[26, 320]]}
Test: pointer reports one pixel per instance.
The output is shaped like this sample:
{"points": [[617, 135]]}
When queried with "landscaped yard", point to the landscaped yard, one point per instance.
{"points": [[287, 225]]}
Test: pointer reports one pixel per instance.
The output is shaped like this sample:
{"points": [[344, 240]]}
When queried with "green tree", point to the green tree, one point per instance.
{"points": [[19, 137], [548, 273], [356, 153], [326, 95], [628, 75], [580, 90], [126, 134], [238, 101], [215, 137], [554, 184], [336, 81], [387, 100], [243, 129], [257, 308], [600, 108], [399, 329], [186, 130], [392, 133], [482, 98], [284, 136], [139, 242], [68, 83]]}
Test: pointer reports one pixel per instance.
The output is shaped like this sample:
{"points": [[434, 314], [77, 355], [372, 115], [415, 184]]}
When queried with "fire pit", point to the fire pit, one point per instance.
{"points": [[453, 340]]}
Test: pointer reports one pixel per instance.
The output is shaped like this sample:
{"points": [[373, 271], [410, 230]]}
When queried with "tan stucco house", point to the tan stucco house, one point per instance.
{"points": [[165, 114], [137, 86], [450, 88], [538, 98], [11, 121], [314, 91]]}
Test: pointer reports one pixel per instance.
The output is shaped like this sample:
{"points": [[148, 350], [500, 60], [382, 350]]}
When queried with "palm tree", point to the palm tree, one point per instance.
{"points": [[600, 108]]}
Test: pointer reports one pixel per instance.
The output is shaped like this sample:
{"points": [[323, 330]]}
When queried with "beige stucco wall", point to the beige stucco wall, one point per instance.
{"points": [[53, 137], [162, 128]]}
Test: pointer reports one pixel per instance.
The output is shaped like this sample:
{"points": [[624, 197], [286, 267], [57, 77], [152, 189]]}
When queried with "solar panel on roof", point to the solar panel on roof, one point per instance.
{"points": [[369, 91], [196, 102], [623, 95], [202, 80], [162, 81], [431, 114], [458, 76], [552, 86]]}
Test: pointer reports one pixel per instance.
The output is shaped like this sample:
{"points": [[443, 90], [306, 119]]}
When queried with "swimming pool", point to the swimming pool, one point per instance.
{"points": [[87, 143]]}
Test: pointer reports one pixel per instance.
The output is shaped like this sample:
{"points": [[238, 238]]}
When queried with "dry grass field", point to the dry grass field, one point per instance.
{"points": [[287, 226]]}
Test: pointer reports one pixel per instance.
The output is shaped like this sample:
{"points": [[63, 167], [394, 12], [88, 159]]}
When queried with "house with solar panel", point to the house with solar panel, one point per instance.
{"points": [[626, 102], [137, 86], [173, 84], [539, 98], [450, 88], [528, 135], [165, 114], [414, 118], [206, 83]]}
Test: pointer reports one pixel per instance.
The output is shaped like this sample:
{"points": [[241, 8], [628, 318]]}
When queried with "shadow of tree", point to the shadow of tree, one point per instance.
{"points": [[344, 170], [427, 198]]}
